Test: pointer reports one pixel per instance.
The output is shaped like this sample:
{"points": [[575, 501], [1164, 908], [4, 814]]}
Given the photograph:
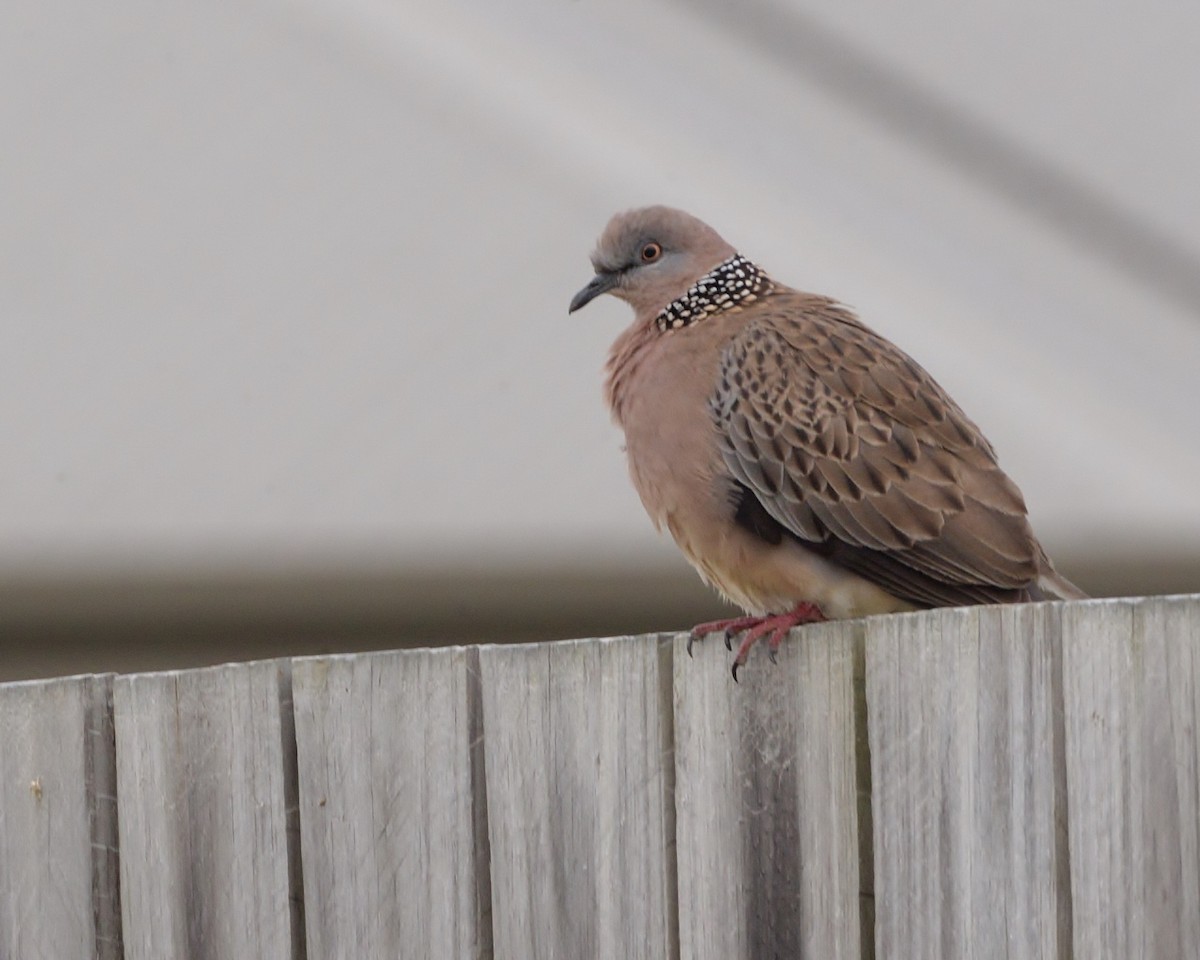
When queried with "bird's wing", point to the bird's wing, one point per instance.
{"points": [[856, 451]]}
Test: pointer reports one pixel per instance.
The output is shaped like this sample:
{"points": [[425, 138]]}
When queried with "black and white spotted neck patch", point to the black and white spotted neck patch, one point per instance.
{"points": [[733, 283]]}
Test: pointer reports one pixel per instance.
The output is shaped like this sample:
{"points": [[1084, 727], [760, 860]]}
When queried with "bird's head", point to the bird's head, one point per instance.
{"points": [[650, 256]]}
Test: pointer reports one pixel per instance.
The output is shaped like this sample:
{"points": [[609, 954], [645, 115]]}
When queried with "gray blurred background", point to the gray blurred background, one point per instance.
{"points": [[287, 366]]}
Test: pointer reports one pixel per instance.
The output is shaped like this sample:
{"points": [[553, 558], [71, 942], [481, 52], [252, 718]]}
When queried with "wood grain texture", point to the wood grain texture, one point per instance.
{"points": [[1132, 706], [577, 744], [204, 803], [965, 734], [394, 840], [766, 799], [58, 858]]}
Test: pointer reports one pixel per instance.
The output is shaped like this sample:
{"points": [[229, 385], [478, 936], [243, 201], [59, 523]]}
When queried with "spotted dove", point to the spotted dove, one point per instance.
{"points": [[807, 467]]}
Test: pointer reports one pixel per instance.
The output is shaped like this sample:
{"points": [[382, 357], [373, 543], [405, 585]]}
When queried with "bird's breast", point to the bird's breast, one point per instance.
{"points": [[660, 400], [674, 455]]}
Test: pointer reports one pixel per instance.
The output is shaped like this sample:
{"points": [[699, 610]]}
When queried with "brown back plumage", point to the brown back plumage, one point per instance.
{"points": [[855, 450]]}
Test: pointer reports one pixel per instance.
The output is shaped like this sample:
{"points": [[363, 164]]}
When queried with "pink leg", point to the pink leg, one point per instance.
{"points": [[727, 627], [802, 614], [777, 626]]}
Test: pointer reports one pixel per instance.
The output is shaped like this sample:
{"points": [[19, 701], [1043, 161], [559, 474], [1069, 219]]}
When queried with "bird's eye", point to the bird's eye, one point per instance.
{"points": [[651, 252]]}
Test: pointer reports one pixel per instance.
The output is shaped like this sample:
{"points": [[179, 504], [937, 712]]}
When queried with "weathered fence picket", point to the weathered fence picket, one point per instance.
{"points": [[394, 838], [766, 800], [59, 895], [202, 801], [968, 813], [579, 771], [1019, 782], [1132, 705]]}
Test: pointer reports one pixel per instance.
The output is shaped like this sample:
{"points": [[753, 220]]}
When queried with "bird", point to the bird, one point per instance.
{"points": [[807, 467]]}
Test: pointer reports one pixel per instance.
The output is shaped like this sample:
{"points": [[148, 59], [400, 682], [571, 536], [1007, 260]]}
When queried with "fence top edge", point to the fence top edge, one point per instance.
{"points": [[281, 664], [286, 664], [664, 636], [992, 608], [70, 680]]}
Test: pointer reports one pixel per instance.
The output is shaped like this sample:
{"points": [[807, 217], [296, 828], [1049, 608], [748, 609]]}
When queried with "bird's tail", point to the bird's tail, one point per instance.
{"points": [[1052, 585]]}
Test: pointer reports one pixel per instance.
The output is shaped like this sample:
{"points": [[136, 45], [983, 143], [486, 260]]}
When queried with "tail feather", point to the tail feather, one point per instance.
{"points": [[1052, 585]]}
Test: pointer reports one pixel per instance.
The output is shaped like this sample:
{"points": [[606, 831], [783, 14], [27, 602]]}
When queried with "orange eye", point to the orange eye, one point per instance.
{"points": [[651, 252]]}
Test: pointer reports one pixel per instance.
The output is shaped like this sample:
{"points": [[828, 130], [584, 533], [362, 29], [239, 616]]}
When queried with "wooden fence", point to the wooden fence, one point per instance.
{"points": [[1011, 782]]}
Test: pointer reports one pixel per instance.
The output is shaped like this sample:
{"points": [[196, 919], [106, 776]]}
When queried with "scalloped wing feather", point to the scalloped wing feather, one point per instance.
{"points": [[856, 450]]}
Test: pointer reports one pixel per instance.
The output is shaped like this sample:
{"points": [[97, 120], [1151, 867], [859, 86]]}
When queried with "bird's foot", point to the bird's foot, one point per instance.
{"points": [[728, 627], [755, 628]]}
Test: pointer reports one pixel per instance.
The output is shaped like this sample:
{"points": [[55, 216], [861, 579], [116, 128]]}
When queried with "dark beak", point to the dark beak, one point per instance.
{"points": [[601, 283]]}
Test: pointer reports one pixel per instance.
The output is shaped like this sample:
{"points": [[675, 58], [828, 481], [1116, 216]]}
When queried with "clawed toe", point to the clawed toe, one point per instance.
{"points": [[753, 629]]}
